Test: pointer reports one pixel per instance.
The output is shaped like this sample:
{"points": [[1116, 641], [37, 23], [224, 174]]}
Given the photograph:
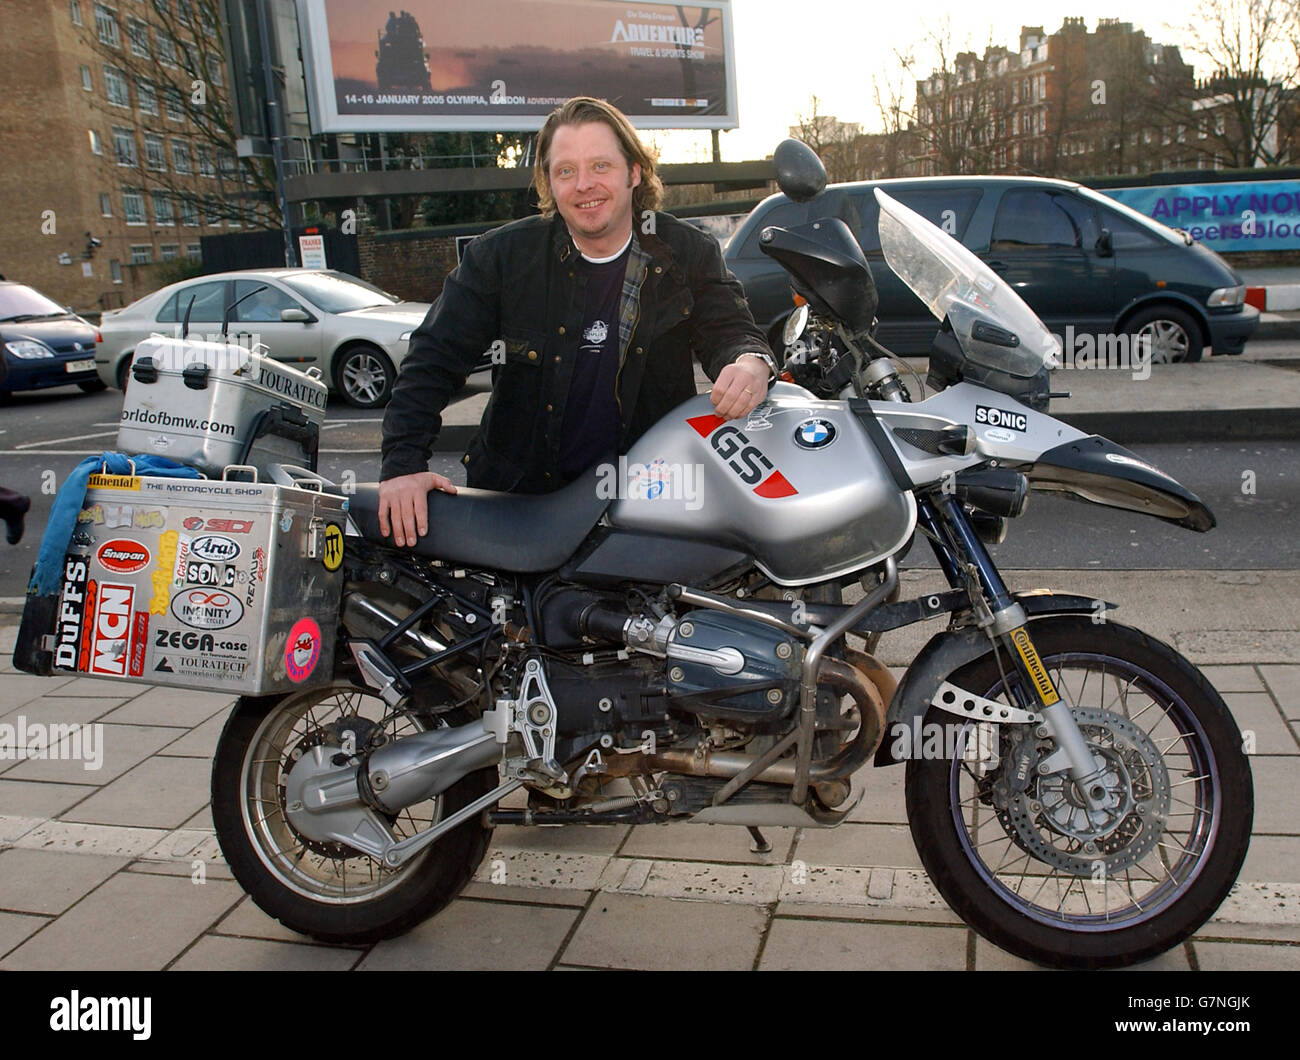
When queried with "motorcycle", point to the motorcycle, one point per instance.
{"points": [[672, 640]]}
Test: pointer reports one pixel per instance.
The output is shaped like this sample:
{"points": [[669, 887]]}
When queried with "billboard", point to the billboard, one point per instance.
{"points": [[1255, 215], [499, 65]]}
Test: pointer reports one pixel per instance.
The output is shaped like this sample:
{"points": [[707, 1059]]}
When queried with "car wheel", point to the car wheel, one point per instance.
{"points": [[1172, 333], [93, 386], [364, 376], [124, 372]]}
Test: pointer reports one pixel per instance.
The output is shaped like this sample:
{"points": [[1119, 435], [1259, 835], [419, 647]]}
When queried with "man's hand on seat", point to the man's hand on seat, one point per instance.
{"points": [[406, 500]]}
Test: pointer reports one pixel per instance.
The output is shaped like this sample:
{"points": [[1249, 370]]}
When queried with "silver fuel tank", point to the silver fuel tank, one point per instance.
{"points": [[797, 484]]}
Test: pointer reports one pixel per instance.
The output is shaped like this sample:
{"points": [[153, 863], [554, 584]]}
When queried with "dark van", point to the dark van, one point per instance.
{"points": [[1080, 261]]}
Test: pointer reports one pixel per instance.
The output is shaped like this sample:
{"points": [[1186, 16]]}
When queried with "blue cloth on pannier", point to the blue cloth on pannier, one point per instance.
{"points": [[48, 574]]}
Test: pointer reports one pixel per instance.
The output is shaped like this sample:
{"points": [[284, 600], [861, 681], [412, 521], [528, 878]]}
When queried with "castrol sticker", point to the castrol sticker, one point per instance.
{"points": [[122, 556], [302, 650], [206, 608]]}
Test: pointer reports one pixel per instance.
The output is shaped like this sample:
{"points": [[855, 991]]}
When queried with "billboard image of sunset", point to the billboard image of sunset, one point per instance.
{"points": [[505, 64]]}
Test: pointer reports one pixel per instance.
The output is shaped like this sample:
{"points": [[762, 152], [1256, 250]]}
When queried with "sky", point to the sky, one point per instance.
{"points": [[789, 50]]}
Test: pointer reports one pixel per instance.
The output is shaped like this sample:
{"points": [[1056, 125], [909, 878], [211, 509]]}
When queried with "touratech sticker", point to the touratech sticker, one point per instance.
{"points": [[122, 556], [113, 482], [1034, 665], [1016, 421], [742, 457], [71, 609], [201, 608], [112, 638], [333, 558], [302, 650]]}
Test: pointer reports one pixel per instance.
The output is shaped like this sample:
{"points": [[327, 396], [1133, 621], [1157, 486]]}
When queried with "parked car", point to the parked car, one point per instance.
{"points": [[356, 334], [43, 343], [1079, 259]]}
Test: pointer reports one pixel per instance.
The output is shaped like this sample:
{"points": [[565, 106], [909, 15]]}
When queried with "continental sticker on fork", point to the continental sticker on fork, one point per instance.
{"points": [[1034, 665]]}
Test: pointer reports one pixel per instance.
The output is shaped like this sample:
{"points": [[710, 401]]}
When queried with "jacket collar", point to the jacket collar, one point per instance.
{"points": [[564, 247]]}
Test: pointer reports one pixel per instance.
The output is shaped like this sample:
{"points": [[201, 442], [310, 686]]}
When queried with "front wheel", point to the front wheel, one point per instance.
{"points": [[1027, 865], [327, 890]]}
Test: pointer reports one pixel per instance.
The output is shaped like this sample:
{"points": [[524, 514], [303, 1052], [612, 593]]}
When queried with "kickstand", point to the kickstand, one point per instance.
{"points": [[759, 845]]}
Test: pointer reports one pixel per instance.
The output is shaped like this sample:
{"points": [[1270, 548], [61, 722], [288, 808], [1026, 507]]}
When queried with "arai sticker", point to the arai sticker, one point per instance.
{"points": [[302, 651]]}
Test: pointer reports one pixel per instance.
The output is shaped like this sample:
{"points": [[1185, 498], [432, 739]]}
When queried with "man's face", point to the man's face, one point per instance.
{"points": [[591, 181]]}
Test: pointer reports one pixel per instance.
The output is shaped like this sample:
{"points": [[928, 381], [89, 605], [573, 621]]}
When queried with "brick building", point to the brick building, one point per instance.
{"points": [[110, 129]]}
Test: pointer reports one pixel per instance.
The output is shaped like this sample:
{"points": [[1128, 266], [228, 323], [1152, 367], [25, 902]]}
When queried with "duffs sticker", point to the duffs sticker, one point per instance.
{"points": [[302, 650], [122, 556], [72, 606]]}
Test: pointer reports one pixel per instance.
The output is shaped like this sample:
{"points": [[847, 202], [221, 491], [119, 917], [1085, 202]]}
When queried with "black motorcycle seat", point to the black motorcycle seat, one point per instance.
{"points": [[523, 533]]}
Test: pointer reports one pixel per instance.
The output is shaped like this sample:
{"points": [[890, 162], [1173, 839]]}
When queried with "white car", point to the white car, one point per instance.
{"points": [[356, 334]]}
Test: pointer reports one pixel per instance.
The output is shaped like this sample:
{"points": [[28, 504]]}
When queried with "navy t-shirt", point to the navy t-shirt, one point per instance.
{"points": [[591, 421]]}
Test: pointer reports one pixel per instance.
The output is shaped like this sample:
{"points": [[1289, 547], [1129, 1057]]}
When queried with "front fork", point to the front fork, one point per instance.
{"points": [[967, 565]]}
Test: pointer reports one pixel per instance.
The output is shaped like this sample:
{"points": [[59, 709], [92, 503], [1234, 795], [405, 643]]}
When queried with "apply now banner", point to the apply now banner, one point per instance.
{"points": [[1251, 215]]}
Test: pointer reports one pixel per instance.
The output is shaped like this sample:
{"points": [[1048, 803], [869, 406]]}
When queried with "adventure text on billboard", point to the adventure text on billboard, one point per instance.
{"points": [[505, 64]]}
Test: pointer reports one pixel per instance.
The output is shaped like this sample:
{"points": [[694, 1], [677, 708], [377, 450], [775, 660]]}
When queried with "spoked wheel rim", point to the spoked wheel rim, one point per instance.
{"points": [[1167, 339], [364, 377], [1099, 686], [322, 872]]}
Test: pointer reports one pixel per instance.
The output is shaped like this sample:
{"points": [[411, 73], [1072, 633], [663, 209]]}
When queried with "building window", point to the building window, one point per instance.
{"points": [[206, 168], [181, 157], [105, 204], [86, 81], [162, 209], [229, 166], [141, 253], [189, 213], [154, 157], [173, 103], [115, 87], [194, 251], [184, 12], [138, 34], [170, 251], [95, 146], [133, 206], [211, 211], [106, 27], [214, 69], [166, 47], [74, 6], [115, 270], [144, 92], [124, 146]]}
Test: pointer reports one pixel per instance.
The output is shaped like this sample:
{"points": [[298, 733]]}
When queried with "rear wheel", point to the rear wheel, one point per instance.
{"points": [[1035, 872], [124, 372], [93, 386], [327, 890]]}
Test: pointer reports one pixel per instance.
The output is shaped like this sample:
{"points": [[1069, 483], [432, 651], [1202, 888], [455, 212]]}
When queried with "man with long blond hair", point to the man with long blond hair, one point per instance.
{"points": [[597, 306]]}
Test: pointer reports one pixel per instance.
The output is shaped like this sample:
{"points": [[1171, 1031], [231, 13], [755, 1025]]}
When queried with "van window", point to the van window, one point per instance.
{"points": [[1030, 217], [209, 304], [947, 208], [1125, 235]]}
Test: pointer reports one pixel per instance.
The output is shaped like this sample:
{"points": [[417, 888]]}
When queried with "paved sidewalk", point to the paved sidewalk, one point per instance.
{"points": [[117, 868]]}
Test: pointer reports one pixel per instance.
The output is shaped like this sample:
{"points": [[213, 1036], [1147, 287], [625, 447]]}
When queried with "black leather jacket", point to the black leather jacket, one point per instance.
{"points": [[517, 284]]}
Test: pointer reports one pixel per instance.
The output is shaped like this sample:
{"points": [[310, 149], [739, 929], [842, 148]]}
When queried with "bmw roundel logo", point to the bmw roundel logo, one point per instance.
{"points": [[814, 434]]}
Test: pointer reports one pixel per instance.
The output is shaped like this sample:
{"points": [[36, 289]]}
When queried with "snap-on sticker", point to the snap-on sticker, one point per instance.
{"points": [[302, 651]]}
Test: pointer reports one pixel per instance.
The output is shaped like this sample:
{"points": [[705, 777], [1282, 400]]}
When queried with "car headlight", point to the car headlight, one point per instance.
{"points": [[1227, 296], [405, 336], [28, 350]]}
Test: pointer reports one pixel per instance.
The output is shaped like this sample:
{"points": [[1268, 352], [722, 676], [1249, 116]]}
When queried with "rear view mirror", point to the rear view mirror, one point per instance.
{"points": [[295, 316], [1104, 248], [799, 172]]}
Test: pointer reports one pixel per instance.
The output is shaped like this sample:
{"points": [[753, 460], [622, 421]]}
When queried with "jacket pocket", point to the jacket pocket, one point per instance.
{"points": [[488, 470]]}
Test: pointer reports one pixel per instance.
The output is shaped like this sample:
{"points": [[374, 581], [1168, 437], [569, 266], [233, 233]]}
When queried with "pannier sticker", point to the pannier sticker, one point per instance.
{"points": [[215, 547], [114, 482], [112, 629], [122, 556], [161, 578], [333, 556], [87, 626], [139, 643], [302, 650], [287, 521], [72, 607], [994, 417], [205, 608], [183, 545]]}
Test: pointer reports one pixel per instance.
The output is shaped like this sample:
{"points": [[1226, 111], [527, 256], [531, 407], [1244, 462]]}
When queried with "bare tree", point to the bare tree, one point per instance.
{"points": [[895, 136], [842, 147], [169, 70]]}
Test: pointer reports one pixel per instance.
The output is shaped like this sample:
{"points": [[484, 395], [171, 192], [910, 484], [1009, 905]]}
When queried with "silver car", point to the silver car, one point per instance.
{"points": [[355, 333]]}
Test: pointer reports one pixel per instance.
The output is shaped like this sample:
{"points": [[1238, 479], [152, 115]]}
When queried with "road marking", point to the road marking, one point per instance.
{"points": [[56, 441], [50, 452]]}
